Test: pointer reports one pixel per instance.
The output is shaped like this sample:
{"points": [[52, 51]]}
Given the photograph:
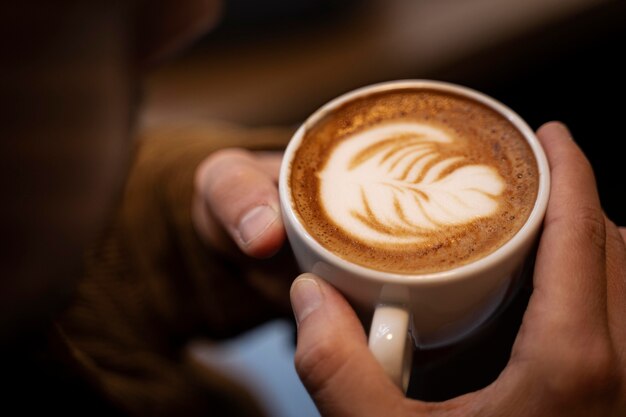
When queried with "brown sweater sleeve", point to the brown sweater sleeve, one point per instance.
{"points": [[151, 285]]}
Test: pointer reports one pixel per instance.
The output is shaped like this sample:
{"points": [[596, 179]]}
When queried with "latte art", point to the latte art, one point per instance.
{"points": [[392, 184], [412, 181]]}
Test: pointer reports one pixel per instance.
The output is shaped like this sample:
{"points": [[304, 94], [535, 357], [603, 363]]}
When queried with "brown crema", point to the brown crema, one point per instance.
{"points": [[481, 136]]}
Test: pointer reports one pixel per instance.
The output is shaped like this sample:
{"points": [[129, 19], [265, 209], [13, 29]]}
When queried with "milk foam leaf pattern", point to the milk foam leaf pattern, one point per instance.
{"points": [[397, 182]]}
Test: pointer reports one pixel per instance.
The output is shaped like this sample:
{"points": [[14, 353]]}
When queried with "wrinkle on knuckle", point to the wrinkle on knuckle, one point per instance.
{"points": [[585, 224], [613, 234], [602, 375], [590, 373], [315, 365], [573, 160], [312, 364], [591, 223]]}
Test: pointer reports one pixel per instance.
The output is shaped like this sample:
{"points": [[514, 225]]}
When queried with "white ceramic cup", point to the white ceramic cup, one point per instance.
{"points": [[425, 310]]}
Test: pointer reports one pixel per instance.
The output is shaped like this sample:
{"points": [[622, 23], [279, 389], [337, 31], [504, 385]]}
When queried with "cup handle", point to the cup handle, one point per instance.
{"points": [[391, 344]]}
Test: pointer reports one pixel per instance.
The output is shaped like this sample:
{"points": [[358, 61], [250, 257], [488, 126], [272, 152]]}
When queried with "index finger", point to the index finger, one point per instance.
{"points": [[570, 276]]}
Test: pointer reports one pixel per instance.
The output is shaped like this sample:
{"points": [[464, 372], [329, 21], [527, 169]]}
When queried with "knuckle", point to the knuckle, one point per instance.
{"points": [[600, 372], [591, 224], [589, 373], [586, 224], [317, 364], [613, 234]]}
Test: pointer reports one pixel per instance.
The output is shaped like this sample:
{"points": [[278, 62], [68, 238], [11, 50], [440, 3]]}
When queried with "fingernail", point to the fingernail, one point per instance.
{"points": [[306, 297], [255, 222]]}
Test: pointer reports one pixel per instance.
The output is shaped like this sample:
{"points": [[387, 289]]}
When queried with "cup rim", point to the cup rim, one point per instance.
{"points": [[521, 239]]}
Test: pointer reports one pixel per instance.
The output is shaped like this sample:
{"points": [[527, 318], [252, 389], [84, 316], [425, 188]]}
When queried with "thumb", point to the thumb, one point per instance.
{"points": [[235, 191], [332, 357]]}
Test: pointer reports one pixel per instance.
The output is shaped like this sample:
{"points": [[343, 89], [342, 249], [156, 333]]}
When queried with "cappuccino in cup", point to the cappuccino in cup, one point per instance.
{"points": [[421, 202], [413, 180]]}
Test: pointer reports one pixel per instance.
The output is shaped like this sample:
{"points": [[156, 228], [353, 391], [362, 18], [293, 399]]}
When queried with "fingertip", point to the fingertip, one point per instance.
{"points": [[562, 151], [242, 198], [332, 356], [555, 126], [305, 276], [306, 296], [336, 313]]}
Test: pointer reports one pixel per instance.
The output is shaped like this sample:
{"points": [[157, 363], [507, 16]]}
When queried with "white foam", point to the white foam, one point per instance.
{"points": [[403, 185]]}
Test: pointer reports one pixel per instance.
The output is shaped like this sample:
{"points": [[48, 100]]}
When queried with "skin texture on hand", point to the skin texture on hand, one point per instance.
{"points": [[569, 358], [235, 212], [236, 200]]}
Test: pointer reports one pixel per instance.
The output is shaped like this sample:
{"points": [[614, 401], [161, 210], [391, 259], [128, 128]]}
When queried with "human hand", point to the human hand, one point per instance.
{"points": [[236, 200], [569, 358]]}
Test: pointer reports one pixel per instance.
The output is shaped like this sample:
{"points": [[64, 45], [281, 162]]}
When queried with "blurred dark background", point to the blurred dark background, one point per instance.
{"points": [[275, 62]]}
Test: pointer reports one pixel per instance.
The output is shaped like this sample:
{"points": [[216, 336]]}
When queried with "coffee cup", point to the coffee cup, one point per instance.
{"points": [[420, 201]]}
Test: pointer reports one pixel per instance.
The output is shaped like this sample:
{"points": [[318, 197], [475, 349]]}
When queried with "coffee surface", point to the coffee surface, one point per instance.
{"points": [[413, 181]]}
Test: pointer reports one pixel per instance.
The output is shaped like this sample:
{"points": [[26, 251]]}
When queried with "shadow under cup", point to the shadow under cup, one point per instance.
{"points": [[435, 308]]}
